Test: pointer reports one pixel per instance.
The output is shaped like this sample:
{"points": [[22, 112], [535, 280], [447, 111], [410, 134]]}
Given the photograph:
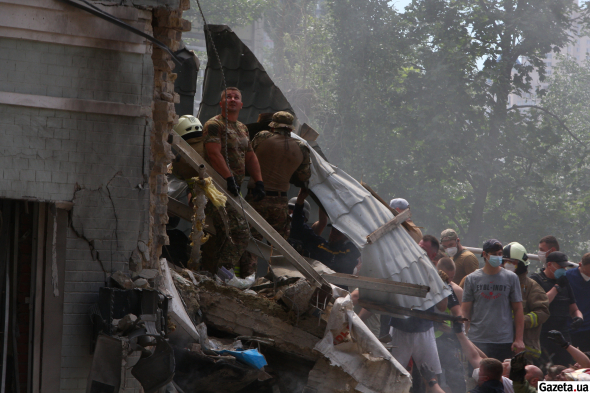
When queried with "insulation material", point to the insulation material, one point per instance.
{"points": [[394, 256], [351, 346]]}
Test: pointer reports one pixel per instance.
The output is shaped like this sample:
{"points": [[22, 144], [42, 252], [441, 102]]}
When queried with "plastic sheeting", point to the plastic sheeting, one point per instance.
{"points": [[350, 345], [395, 256]]}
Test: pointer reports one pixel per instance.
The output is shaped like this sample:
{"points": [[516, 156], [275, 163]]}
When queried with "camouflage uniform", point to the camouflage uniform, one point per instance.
{"points": [[223, 251], [274, 208], [303, 173]]}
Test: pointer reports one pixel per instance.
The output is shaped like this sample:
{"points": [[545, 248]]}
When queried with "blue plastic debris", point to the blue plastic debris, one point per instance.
{"points": [[250, 356]]}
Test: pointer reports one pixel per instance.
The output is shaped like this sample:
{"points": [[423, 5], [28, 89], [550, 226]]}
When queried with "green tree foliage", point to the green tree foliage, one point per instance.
{"points": [[234, 13]]}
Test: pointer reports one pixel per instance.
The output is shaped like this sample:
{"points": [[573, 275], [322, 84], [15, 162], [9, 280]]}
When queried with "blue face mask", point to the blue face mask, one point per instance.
{"points": [[495, 260], [559, 273]]}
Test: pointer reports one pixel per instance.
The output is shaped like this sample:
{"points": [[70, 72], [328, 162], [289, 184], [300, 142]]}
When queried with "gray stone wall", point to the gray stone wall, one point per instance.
{"points": [[99, 162]]}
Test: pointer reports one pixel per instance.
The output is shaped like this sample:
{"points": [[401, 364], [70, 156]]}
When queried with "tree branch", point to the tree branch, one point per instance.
{"points": [[514, 107]]}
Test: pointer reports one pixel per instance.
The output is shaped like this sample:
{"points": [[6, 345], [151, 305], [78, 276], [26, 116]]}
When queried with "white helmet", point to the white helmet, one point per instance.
{"points": [[189, 127]]}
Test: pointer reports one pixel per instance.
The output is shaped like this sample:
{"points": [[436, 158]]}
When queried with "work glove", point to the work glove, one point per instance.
{"points": [[258, 192], [232, 186], [443, 276], [457, 327], [562, 282], [557, 337], [577, 323], [517, 367]]}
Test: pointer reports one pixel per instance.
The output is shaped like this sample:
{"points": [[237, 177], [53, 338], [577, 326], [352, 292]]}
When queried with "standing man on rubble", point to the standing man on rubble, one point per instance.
{"points": [[229, 151], [283, 161], [400, 204], [465, 262], [491, 297]]}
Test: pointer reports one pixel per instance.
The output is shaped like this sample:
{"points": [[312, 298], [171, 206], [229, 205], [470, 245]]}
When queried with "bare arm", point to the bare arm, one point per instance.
{"points": [[579, 356], [518, 345], [365, 314], [470, 350], [252, 165], [466, 310], [442, 305], [575, 312], [217, 161], [320, 225], [551, 294]]}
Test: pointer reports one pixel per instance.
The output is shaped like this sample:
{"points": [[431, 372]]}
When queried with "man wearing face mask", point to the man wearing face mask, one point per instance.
{"points": [[534, 299], [547, 245], [490, 297], [562, 305], [465, 262]]}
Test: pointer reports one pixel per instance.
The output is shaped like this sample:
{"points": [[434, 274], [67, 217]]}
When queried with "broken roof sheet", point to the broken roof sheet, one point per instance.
{"points": [[242, 70], [395, 256]]}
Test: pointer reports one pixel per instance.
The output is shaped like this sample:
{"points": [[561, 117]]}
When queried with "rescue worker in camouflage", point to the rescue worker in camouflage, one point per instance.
{"points": [[535, 302], [283, 161], [221, 148]]}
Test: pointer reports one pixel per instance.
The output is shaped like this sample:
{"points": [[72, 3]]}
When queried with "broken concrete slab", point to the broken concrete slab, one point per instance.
{"points": [[297, 296]]}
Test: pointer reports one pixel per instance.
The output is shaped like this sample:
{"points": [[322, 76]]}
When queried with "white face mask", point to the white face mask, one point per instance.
{"points": [[509, 266], [542, 256], [451, 251]]}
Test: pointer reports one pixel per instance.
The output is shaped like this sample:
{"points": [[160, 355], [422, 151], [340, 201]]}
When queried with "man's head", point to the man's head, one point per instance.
{"points": [[490, 370], [430, 245], [336, 236], [492, 249], [533, 375], [450, 241], [399, 204], [447, 265], [233, 97], [553, 372], [585, 264], [515, 258], [547, 245], [556, 264], [282, 121]]}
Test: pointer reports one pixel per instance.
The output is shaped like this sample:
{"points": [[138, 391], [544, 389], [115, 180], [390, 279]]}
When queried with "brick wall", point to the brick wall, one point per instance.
{"points": [[100, 162]]}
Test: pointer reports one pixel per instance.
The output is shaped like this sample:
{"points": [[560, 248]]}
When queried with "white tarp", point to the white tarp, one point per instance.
{"points": [[350, 345], [395, 256]]}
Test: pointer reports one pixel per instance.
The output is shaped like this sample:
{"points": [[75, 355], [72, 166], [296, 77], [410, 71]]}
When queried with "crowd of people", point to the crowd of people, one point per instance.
{"points": [[519, 327], [538, 321]]}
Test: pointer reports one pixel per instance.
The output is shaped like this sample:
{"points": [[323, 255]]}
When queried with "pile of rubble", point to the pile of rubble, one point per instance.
{"points": [[199, 333]]}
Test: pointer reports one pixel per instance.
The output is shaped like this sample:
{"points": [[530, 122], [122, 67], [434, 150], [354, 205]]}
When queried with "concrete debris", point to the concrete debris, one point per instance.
{"points": [[120, 280], [141, 283], [297, 296], [148, 274], [127, 323]]}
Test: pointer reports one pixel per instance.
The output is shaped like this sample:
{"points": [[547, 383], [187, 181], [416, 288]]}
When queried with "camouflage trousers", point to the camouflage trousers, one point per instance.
{"points": [[220, 250], [276, 212]]}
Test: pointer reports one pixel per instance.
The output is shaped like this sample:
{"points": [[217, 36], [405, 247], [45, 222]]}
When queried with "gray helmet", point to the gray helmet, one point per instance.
{"points": [[306, 207]]}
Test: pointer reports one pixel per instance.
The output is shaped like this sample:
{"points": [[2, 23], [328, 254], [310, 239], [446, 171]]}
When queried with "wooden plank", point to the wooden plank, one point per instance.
{"points": [[376, 196], [37, 321], [251, 215], [377, 284], [388, 309], [308, 133], [53, 300], [179, 209], [388, 226]]}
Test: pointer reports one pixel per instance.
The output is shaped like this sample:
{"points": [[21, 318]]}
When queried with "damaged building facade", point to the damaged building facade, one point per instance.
{"points": [[87, 109]]}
